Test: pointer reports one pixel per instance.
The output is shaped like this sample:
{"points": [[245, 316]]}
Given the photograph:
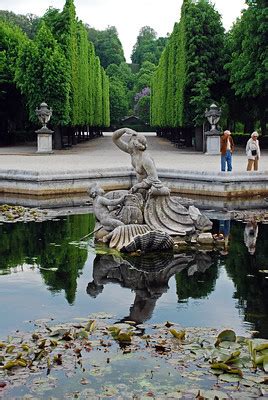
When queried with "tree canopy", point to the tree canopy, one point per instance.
{"points": [[107, 45], [148, 47]]}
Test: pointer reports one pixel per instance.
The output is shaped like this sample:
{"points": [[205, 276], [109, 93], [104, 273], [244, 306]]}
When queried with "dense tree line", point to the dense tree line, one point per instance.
{"points": [[82, 72], [59, 66], [129, 83], [201, 64]]}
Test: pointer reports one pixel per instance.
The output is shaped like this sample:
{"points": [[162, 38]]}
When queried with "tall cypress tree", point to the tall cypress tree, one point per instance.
{"points": [[193, 67], [12, 103], [41, 75]]}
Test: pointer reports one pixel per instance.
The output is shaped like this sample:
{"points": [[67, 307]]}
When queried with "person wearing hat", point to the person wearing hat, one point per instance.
{"points": [[253, 152], [227, 148]]}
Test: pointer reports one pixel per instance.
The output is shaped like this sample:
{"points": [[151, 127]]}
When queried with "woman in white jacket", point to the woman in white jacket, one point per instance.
{"points": [[253, 152]]}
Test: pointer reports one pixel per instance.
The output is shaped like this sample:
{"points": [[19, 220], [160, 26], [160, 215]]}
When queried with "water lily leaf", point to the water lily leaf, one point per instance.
{"points": [[25, 347], [90, 326], [229, 378], [10, 349], [114, 331], [178, 334], [229, 345], [109, 391], [227, 335], [212, 394], [83, 334], [124, 337], [227, 368], [260, 347], [233, 357], [10, 364], [22, 362]]}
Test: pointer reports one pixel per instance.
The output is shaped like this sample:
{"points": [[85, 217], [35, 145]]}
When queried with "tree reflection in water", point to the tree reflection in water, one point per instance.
{"points": [[47, 245], [245, 269]]}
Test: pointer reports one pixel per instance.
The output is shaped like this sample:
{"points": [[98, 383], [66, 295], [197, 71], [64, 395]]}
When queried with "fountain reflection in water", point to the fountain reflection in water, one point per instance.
{"points": [[45, 271]]}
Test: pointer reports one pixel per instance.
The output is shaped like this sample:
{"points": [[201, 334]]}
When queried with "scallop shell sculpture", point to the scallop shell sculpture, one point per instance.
{"points": [[148, 242], [123, 235], [166, 214], [131, 238]]}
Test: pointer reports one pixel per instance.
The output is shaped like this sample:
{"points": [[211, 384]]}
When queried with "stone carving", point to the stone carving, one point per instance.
{"points": [[141, 161], [123, 235], [101, 210], [149, 241], [143, 218]]}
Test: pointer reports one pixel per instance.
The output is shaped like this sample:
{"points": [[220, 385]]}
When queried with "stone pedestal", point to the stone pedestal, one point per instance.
{"points": [[213, 144], [44, 141]]}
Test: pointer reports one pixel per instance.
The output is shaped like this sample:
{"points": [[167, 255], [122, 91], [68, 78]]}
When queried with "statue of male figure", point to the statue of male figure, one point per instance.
{"points": [[141, 161]]}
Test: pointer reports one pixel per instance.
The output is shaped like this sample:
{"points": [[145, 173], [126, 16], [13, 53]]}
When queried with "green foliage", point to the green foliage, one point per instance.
{"points": [[148, 47], [167, 99], [11, 101], [190, 71], [61, 68], [27, 23], [248, 62], [118, 101], [121, 81], [144, 76], [11, 38], [107, 45], [41, 75], [143, 109], [122, 73]]}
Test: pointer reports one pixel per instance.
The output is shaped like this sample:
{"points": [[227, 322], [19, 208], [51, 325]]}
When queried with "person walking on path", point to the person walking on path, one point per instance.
{"points": [[227, 148], [253, 152]]}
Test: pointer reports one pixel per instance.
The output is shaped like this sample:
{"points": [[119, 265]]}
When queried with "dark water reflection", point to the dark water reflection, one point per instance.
{"points": [[47, 272]]}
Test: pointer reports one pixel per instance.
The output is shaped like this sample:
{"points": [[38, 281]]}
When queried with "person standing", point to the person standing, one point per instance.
{"points": [[227, 148], [253, 152]]}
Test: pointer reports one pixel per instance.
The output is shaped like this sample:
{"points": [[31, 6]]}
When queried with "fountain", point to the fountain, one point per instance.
{"points": [[145, 218]]}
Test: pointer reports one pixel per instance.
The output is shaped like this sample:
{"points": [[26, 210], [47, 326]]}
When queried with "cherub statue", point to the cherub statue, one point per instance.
{"points": [[101, 208]]}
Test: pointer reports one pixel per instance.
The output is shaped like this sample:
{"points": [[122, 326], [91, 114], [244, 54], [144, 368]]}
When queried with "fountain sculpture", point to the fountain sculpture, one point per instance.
{"points": [[145, 218]]}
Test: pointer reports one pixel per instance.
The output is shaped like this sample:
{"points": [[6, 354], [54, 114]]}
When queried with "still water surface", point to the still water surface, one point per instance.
{"points": [[46, 271]]}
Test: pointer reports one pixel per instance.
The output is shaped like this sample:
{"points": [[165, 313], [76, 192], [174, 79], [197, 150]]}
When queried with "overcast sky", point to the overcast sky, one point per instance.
{"points": [[127, 16]]}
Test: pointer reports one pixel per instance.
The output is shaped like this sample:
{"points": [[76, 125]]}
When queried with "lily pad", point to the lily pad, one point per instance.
{"points": [[227, 335]]}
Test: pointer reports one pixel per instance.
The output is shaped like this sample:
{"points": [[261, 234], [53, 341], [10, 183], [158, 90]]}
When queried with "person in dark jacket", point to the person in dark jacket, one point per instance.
{"points": [[227, 148]]}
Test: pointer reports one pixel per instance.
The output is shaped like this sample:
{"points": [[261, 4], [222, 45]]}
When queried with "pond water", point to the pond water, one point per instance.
{"points": [[47, 271]]}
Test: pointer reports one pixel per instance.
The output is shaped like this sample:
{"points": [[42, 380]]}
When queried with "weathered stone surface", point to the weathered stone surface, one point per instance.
{"points": [[123, 235], [217, 184], [164, 213], [205, 238]]}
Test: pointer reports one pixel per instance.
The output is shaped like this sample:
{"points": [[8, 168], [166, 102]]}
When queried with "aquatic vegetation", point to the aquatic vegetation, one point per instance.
{"points": [[126, 360]]}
